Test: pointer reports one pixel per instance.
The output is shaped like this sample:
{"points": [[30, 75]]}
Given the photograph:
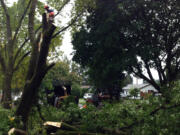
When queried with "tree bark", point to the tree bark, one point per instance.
{"points": [[28, 97], [37, 73], [6, 98], [15, 131]]}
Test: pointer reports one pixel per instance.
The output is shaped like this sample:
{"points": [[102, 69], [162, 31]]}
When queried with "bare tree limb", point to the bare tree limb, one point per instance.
{"points": [[160, 76], [66, 27], [21, 20], [162, 70], [149, 71], [139, 73], [60, 9]]}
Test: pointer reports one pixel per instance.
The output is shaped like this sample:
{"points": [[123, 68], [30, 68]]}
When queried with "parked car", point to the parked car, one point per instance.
{"points": [[88, 96], [91, 98]]}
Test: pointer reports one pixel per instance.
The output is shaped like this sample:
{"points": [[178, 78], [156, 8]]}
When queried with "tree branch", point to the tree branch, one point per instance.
{"points": [[149, 71], [150, 114], [146, 79], [2, 63], [31, 22], [162, 71], [64, 4], [21, 60], [20, 48], [34, 59], [21, 20], [65, 28]]}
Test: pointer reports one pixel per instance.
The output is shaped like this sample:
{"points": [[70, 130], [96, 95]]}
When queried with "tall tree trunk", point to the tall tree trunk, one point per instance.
{"points": [[37, 73], [6, 97], [28, 97]]}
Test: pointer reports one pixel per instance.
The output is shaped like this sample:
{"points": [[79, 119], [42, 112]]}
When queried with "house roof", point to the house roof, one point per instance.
{"points": [[132, 86]]}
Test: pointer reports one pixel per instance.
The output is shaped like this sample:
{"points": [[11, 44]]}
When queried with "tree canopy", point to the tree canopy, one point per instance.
{"points": [[133, 36], [61, 74]]}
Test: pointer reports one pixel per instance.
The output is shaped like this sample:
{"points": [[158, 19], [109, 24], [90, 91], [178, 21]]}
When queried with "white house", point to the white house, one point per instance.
{"points": [[144, 88]]}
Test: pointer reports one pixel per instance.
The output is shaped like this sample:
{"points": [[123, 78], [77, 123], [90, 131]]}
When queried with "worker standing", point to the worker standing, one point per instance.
{"points": [[50, 14]]}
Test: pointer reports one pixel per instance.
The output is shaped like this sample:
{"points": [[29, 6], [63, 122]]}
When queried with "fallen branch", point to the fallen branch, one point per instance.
{"points": [[150, 114], [64, 132], [59, 125], [15, 131]]}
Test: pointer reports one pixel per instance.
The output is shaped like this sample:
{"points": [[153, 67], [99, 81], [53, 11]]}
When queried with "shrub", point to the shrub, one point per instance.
{"points": [[76, 90], [135, 117], [6, 120]]}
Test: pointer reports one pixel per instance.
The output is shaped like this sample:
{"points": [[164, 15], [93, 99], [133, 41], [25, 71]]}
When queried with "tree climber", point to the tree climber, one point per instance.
{"points": [[50, 14], [50, 19]]}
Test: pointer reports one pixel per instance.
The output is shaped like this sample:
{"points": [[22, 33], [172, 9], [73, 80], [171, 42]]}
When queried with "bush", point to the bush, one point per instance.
{"points": [[6, 120], [134, 92], [135, 117], [76, 90], [67, 101]]}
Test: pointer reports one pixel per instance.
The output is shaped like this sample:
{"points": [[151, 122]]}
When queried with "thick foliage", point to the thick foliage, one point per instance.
{"points": [[131, 117], [5, 121], [153, 115], [96, 48], [133, 36]]}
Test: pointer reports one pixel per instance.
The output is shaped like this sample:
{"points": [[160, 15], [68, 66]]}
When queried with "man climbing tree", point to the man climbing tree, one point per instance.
{"points": [[49, 13]]}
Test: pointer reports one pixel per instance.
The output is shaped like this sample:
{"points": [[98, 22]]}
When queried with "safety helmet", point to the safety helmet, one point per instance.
{"points": [[46, 6], [51, 14]]}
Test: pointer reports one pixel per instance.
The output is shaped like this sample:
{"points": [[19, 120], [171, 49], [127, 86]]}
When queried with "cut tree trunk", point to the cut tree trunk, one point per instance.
{"points": [[52, 127], [28, 97], [15, 131], [34, 80]]}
